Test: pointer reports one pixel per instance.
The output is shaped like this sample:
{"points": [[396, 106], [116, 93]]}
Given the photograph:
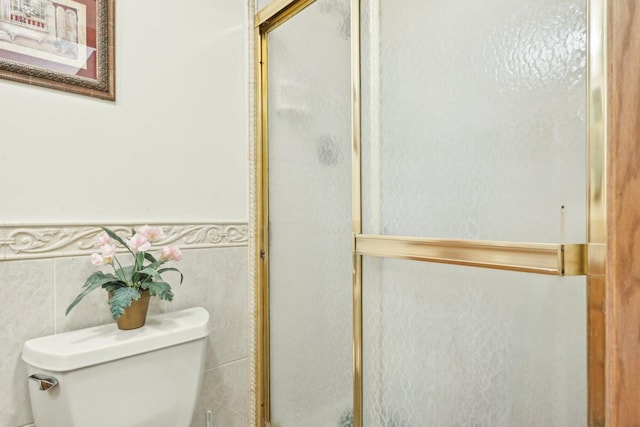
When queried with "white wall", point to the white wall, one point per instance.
{"points": [[173, 145]]}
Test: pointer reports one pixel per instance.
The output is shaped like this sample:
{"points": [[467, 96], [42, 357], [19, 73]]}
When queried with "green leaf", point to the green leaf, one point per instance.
{"points": [[145, 275], [139, 260], [98, 275], [121, 275], [162, 270], [111, 287], [121, 299], [150, 258], [125, 273], [92, 283], [150, 271], [117, 238], [161, 289]]}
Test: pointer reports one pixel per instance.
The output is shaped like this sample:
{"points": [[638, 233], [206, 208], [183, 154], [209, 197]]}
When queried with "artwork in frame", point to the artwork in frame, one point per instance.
{"points": [[61, 44]]}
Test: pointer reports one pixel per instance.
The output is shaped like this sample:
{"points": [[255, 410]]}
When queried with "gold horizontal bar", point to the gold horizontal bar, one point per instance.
{"points": [[540, 258]]}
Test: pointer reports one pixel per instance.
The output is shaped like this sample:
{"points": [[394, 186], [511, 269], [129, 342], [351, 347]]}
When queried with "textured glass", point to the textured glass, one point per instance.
{"points": [[458, 346], [310, 217], [474, 119], [474, 128]]}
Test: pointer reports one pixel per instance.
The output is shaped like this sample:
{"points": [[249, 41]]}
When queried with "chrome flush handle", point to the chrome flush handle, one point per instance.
{"points": [[45, 382]]}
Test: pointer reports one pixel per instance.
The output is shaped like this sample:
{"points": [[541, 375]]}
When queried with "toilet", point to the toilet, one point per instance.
{"points": [[106, 377]]}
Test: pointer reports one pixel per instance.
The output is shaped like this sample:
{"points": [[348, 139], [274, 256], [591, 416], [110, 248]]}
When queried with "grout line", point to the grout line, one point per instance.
{"points": [[3, 243], [74, 254], [54, 296], [227, 364]]}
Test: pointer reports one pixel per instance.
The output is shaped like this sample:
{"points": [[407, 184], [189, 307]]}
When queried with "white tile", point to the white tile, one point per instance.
{"points": [[216, 279], [26, 292], [93, 310], [225, 393]]}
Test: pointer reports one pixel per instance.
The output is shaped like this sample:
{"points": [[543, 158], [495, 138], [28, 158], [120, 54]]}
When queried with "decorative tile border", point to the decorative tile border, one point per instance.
{"points": [[26, 241]]}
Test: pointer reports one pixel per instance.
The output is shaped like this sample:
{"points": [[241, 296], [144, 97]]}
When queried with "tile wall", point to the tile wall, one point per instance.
{"points": [[34, 294]]}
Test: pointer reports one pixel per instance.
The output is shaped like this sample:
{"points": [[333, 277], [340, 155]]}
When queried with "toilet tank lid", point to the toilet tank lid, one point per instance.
{"points": [[85, 347]]}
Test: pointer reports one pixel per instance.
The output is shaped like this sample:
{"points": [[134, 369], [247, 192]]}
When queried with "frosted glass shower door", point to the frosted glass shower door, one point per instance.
{"points": [[474, 119], [473, 128], [309, 251]]}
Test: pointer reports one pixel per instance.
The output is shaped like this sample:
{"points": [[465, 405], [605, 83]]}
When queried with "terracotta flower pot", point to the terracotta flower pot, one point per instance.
{"points": [[135, 315]]}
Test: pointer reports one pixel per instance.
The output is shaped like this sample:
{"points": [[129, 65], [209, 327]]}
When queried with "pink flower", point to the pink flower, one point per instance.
{"points": [[151, 233], [108, 251], [139, 243], [103, 239], [171, 253], [96, 259]]}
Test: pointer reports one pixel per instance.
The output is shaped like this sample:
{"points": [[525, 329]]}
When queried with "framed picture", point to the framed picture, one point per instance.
{"points": [[61, 44]]}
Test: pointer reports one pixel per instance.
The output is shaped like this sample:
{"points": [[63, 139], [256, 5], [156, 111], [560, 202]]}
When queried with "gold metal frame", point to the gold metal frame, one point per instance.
{"points": [[279, 12], [596, 211], [356, 213], [261, 378], [541, 258], [272, 16]]}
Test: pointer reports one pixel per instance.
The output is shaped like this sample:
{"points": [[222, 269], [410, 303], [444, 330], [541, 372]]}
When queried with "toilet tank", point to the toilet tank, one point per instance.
{"points": [[146, 377]]}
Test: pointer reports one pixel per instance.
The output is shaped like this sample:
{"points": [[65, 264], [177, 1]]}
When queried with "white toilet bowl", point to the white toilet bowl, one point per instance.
{"points": [[105, 377]]}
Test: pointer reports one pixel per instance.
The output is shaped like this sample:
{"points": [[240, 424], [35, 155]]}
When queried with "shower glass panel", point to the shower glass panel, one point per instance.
{"points": [[474, 119], [473, 127], [309, 172], [459, 346]]}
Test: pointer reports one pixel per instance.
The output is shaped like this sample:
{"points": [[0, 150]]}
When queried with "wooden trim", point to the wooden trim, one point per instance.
{"points": [[596, 286], [623, 215]]}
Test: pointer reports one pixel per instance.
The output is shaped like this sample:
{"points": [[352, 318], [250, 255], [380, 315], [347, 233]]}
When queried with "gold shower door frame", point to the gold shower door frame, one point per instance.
{"points": [[542, 258]]}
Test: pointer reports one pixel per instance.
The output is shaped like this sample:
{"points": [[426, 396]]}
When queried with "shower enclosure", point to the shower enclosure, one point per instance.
{"points": [[430, 217]]}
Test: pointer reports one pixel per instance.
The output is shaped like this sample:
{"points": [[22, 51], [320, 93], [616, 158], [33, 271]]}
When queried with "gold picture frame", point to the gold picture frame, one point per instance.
{"points": [[67, 45]]}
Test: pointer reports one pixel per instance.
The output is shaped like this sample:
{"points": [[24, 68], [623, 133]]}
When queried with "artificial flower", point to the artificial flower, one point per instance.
{"points": [[151, 233], [127, 283], [139, 243], [171, 253]]}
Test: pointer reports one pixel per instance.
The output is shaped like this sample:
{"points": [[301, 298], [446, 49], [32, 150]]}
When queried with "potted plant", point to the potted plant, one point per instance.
{"points": [[130, 287]]}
